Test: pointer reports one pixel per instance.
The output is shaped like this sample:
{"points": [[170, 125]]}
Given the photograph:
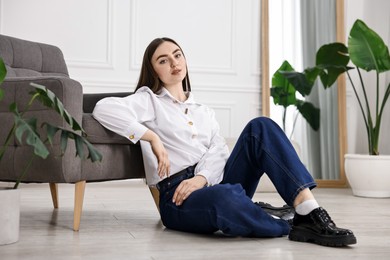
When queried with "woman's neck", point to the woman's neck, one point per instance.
{"points": [[177, 92]]}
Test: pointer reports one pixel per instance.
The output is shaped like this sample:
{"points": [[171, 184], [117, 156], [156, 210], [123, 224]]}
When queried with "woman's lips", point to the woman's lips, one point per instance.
{"points": [[175, 72]]}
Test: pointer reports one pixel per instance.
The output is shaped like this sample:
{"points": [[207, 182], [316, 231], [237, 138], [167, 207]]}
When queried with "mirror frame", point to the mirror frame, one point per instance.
{"points": [[341, 87]]}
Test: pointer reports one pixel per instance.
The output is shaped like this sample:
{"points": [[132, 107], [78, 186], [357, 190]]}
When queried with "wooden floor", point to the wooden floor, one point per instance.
{"points": [[120, 221]]}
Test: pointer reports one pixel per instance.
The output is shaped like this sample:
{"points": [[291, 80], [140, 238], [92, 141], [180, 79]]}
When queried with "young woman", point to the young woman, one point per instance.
{"points": [[202, 187]]}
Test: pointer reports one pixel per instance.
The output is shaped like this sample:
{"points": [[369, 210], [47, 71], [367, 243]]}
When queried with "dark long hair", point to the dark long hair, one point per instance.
{"points": [[148, 77]]}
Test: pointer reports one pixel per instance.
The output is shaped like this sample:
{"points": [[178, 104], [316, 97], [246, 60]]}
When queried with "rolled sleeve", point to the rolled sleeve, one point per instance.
{"points": [[135, 131], [125, 116]]}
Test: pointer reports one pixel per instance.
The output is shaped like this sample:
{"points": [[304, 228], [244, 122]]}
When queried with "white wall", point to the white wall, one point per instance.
{"points": [[375, 13], [103, 42]]}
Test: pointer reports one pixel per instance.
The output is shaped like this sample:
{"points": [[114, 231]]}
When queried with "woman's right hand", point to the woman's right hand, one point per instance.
{"points": [[158, 149], [163, 168]]}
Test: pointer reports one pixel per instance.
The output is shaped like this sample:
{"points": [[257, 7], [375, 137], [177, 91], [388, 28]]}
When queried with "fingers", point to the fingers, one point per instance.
{"points": [[186, 188], [182, 192], [164, 167]]}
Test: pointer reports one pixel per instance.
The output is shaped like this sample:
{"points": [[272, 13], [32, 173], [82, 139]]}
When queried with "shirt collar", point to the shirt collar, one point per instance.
{"points": [[165, 93]]}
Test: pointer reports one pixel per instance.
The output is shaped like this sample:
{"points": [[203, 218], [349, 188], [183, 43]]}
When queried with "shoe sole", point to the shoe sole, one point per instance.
{"points": [[276, 211], [270, 207], [304, 235]]}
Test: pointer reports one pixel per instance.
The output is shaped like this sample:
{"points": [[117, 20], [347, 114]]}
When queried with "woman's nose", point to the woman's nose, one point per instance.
{"points": [[174, 63]]}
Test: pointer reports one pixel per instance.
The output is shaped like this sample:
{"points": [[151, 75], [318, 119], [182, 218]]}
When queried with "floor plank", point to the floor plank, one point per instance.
{"points": [[120, 221]]}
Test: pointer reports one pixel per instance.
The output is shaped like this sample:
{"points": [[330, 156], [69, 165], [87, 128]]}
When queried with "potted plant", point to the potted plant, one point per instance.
{"points": [[367, 174], [284, 94], [25, 130]]}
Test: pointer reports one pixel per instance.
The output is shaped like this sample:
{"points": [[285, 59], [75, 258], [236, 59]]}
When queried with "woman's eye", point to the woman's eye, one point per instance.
{"points": [[163, 61], [178, 55]]}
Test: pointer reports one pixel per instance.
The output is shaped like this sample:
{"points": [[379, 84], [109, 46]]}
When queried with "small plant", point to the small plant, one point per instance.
{"points": [[26, 129], [367, 51]]}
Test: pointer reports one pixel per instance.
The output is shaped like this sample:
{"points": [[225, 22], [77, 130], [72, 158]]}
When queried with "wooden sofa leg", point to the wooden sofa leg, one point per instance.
{"points": [[78, 204], [54, 194], [156, 197]]}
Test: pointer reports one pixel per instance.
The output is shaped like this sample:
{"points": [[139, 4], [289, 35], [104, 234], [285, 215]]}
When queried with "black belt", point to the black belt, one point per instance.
{"points": [[176, 178]]}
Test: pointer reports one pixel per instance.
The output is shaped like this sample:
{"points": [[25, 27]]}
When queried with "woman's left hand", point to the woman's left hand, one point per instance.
{"points": [[186, 187]]}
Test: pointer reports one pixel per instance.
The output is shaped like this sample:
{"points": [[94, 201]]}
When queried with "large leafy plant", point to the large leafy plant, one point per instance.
{"points": [[284, 93], [366, 51], [26, 129]]}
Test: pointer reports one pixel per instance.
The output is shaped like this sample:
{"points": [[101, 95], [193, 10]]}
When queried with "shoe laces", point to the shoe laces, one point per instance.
{"points": [[324, 216]]}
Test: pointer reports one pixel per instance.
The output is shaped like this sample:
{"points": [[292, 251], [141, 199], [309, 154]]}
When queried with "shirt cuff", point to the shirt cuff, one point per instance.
{"points": [[206, 175], [135, 132]]}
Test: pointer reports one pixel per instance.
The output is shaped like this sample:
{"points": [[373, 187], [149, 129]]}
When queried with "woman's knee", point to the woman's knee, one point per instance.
{"points": [[262, 120], [227, 193]]}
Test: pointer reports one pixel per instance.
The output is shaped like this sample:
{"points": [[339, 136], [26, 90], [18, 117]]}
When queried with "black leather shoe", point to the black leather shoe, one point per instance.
{"points": [[317, 227], [286, 212]]}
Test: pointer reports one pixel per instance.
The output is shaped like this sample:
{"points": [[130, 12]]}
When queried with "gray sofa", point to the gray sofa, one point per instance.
{"points": [[28, 61]]}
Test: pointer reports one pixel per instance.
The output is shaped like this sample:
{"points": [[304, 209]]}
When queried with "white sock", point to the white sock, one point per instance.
{"points": [[306, 207]]}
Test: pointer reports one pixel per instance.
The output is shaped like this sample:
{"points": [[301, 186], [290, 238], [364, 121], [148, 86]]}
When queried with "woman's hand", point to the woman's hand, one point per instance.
{"points": [[186, 187], [164, 167]]}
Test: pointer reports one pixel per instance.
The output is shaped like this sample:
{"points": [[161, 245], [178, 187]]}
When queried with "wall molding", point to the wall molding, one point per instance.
{"points": [[1, 16], [212, 88], [108, 62], [230, 69], [255, 63], [224, 106]]}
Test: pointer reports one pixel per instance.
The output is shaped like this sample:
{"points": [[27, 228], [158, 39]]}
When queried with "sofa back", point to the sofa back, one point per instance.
{"points": [[28, 59]]}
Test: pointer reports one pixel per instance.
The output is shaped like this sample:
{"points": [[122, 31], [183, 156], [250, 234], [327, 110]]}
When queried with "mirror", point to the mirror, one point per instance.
{"points": [[337, 179]]}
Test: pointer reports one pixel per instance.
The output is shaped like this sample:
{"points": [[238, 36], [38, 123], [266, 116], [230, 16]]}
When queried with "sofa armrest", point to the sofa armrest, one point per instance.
{"points": [[91, 99], [69, 91]]}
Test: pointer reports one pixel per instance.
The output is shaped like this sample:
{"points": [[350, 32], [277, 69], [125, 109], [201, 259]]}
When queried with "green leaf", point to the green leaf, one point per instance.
{"points": [[299, 81], [3, 70], [367, 49], [80, 141], [94, 154], [50, 131], [49, 99], [79, 146], [277, 79], [283, 97], [28, 128], [331, 61], [310, 113], [14, 108], [282, 92], [64, 141], [3, 73]]}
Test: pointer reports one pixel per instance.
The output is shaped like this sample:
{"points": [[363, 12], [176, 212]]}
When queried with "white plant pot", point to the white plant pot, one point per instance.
{"points": [[9, 216], [368, 175]]}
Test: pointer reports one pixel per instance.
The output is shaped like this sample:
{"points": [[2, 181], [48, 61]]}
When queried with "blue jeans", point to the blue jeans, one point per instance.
{"points": [[228, 206]]}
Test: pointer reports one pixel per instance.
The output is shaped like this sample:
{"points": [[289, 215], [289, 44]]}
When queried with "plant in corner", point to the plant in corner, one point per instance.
{"points": [[284, 93], [366, 51], [26, 129]]}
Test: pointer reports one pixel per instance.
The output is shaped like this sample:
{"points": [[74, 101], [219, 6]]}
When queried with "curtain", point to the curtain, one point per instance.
{"points": [[318, 25]]}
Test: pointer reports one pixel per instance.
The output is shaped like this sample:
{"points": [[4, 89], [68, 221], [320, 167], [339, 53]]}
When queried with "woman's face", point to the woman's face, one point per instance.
{"points": [[170, 65]]}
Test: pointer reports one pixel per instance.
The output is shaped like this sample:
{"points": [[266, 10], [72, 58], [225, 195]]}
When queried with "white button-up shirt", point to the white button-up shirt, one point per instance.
{"points": [[188, 130]]}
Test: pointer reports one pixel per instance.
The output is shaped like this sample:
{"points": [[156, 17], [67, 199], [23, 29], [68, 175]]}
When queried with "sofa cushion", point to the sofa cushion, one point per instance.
{"points": [[26, 58], [97, 134]]}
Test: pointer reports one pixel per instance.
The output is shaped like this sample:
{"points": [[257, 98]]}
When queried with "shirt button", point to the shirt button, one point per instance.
{"points": [[193, 136], [131, 136], [190, 123]]}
